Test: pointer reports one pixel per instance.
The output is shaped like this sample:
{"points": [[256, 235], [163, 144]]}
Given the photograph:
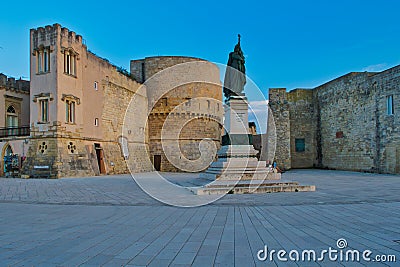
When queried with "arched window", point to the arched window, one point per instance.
{"points": [[11, 109], [12, 117], [8, 151]]}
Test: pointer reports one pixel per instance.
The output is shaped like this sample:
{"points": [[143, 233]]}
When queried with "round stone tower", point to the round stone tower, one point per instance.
{"points": [[184, 123]]}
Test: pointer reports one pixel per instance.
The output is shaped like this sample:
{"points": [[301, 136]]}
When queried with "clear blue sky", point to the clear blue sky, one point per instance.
{"points": [[286, 43]]}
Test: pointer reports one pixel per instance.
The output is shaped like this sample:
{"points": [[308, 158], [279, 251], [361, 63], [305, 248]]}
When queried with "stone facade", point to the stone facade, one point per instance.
{"points": [[85, 97], [387, 133], [344, 124], [185, 103], [301, 127], [14, 93], [79, 104], [14, 118], [279, 104]]}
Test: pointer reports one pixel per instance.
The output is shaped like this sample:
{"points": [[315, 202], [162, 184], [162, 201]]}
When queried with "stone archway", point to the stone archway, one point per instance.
{"points": [[6, 151]]}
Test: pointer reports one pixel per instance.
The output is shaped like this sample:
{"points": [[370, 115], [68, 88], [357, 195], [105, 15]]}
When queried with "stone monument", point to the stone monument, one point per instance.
{"points": [[237, 169]]}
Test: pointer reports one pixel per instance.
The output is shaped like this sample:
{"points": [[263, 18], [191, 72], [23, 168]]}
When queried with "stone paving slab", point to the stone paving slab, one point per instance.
{"points": [[109, 221], [334, 187]]}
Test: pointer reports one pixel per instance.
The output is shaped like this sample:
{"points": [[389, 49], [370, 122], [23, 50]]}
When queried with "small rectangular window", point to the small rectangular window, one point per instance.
{"points": [[44, 110], [69, 62], [300, 145], [95, 86], [70, 111], [96, 122], [73, 58], [66, 110], [72, 117], [43, 60], [68, 69], [390, 105], [65, 62], [40, 61]]}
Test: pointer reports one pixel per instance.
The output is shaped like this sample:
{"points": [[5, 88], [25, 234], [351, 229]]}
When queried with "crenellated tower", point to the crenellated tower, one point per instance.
{"points": [[78, 101]]}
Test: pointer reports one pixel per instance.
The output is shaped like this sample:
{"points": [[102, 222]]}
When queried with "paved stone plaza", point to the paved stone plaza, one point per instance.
{"points": [[110, 221]]}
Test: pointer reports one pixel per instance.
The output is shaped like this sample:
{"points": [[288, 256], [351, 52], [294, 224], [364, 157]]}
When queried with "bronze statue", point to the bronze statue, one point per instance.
{"points": [[235, 75]]}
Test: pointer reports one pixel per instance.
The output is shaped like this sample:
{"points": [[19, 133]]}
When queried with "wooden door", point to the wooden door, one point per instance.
{"points": [[100, 158], [157, 162]]}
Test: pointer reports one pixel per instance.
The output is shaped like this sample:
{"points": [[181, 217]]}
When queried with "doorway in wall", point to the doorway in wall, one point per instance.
{"points": [[157, 162], [7, 151], [100, 158]]}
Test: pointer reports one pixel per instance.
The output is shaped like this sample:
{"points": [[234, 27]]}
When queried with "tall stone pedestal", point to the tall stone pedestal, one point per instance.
{"points": [[237, 169], [237, 157]]}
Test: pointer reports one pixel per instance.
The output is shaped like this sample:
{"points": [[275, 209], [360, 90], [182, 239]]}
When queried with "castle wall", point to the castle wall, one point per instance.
{"points": [[279, 105], [190, 96], [302, 127], [271, 138], [347, 129], [387, 149], [144, 69], [345, 123], [180, 144], [190, 121], [292, 122]]}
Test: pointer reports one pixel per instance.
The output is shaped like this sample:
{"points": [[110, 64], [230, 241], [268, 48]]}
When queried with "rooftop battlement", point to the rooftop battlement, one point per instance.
{"points": [[10, 83], [46, 29], [71, 35], [52, 31]]}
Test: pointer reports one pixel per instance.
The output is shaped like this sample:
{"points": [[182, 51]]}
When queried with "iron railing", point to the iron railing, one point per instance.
{"points": [[14, 131]]}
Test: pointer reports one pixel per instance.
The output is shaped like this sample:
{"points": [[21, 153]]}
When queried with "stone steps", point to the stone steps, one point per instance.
{"points": [[237, 171], [253, 189], [240, 174], [226, 184]]}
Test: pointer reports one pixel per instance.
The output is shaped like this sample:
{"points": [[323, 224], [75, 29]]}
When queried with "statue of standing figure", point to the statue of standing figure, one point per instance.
{"points": [[235, 75]]}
